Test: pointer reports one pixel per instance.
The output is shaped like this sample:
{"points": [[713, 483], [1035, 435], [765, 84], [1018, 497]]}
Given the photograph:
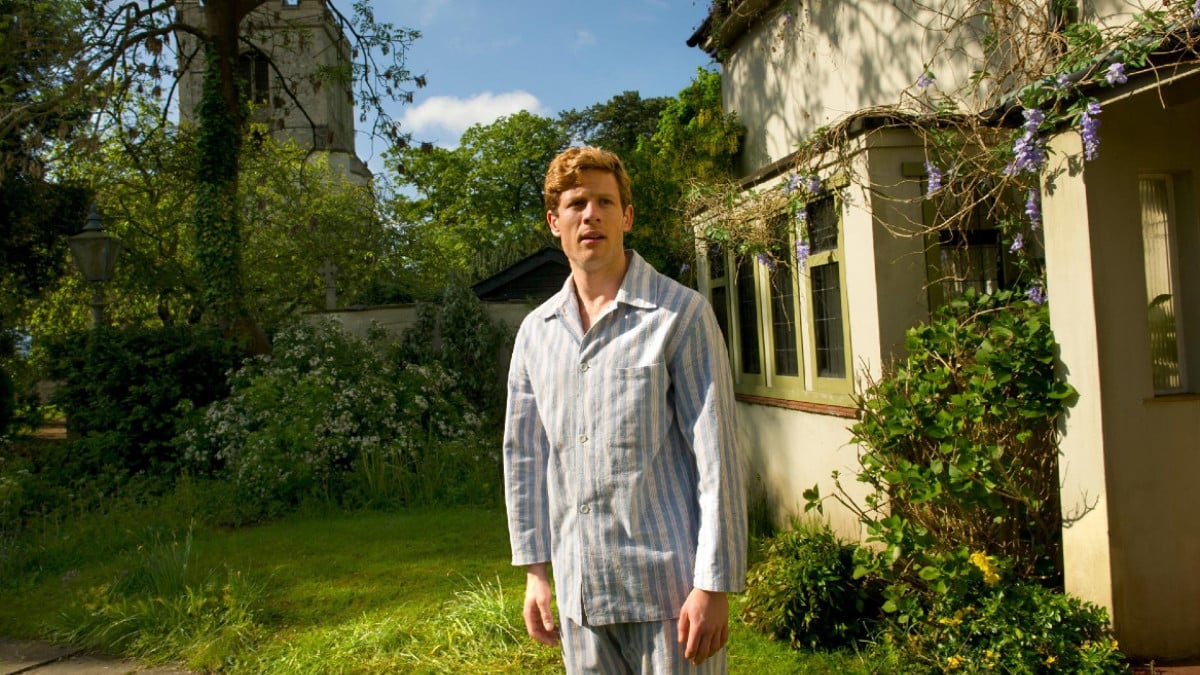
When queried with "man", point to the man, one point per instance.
{"points": [[620, 463]]}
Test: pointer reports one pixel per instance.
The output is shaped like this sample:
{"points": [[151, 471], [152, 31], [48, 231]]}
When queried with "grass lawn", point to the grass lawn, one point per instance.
{"points": [[421, 591]]}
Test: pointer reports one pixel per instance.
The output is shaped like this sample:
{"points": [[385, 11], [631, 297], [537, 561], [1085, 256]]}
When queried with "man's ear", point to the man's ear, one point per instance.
{"points": [[627, 225], [552, 221]]}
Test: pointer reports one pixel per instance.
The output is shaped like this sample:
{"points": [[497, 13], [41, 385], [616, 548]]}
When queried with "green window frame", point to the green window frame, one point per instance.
{"points": [[787, 330]]}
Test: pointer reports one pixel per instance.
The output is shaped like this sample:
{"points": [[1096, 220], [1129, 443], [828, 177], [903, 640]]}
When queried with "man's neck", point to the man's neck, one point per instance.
{"points": [[596, 289]]}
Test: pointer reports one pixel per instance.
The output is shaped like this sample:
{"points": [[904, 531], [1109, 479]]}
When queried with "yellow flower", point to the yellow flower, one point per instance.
{"points": [[954, 662], [1050, 660], [991, 575]]}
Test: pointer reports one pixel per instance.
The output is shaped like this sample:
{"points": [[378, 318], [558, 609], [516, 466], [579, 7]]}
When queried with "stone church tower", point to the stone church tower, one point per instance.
{"points": [[295, 62]]}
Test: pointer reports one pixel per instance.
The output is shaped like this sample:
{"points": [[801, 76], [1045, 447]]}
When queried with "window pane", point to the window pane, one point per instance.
{"points": [[822, 224], [747, 317], [716, 261], [971, 260], [827, 320], [720, 302], [1162, 303], [783, 320]]}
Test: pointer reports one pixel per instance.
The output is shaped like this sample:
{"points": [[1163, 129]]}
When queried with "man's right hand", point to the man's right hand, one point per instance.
{"points": [[539, 620]]}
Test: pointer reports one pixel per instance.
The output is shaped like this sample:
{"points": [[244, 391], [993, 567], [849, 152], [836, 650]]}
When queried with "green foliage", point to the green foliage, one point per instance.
{"points": [[334, 418], [1017, 628], [305, 213], [217, 220], [458, 334], [123, 392], [959, 447], [804, 591], [8, 401], [695, 135], [478, 207]]}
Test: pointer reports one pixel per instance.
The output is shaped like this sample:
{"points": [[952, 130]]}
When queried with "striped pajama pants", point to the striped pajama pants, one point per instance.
{"points": [[647, 648]]}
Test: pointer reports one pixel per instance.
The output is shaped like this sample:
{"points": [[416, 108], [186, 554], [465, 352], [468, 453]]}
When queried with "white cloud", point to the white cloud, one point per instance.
{"points": [[444, 118], [584, 38]]}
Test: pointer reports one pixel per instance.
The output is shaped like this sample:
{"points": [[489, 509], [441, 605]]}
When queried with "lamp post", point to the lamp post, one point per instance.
{"points": [[95, 252]]}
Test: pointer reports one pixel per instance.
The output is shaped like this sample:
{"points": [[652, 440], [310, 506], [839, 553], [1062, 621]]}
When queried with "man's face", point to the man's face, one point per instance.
{"points": [[591, 224]]}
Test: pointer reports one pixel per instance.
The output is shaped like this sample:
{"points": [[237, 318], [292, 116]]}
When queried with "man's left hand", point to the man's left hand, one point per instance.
{"points": [[703, 624]]}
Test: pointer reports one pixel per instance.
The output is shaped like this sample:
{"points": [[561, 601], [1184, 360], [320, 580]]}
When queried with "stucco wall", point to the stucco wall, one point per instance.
{"points": [[810, 63], [1146, 478]]}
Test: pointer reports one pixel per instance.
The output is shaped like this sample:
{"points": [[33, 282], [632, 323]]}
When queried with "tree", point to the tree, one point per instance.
{"points": [[123, 49], [620, 124], [303, 212], [477, 208]]}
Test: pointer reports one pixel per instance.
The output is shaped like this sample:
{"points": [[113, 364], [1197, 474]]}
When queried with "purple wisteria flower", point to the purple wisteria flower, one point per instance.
{"points": [[935, 178], [927, 77], [1029, 151], [1018, 243], [792, 184], [1036, 295], [1089, 129], [1033, 207], [765, 260], [813, 183], [802, 215], [1116, 74], [1064, 80], [684, 268], [1196, 11], [802, 252], [787, 17]]}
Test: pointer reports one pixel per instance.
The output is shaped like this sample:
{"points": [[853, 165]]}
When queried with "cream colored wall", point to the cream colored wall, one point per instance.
{"points": [[395, 319], [1138, 455], [1082, 470], [789, 452], [1152, 446], [787, 77]]}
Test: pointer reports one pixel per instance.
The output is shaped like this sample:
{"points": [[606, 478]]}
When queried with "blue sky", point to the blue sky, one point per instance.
{"points": [[488, 58]]}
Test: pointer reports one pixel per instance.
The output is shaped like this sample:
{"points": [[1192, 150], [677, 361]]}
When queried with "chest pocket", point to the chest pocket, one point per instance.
{"points": [[641, 412]]}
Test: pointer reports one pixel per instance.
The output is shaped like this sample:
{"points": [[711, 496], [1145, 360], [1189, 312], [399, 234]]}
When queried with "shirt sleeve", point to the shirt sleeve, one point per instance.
{"points": [[705, 407], [526, 452]]}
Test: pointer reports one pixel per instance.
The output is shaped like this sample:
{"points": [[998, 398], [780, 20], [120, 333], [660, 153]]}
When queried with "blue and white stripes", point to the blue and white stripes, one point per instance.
{"points": [[620, 460]]}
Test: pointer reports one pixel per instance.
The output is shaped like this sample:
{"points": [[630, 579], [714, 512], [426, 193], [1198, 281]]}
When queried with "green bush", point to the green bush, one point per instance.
{"points": [[123, 391], [804, 591], [458, 334], [333, 418], [8, 401], [960, 450], [1017, 628]]}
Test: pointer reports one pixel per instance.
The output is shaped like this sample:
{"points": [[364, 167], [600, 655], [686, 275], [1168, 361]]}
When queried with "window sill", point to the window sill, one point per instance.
{"points": [[1172, 398], [830, 409]]}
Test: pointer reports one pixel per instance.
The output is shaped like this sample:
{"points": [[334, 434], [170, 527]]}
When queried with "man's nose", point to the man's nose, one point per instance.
{"points": [[591, 211]]}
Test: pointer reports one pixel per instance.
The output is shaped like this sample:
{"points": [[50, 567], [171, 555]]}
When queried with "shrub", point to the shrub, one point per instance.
{"points": [[803, 591], [1018, 628], [8, 400], [334, 418], [959, 444], [460, 336], [122, 391]]}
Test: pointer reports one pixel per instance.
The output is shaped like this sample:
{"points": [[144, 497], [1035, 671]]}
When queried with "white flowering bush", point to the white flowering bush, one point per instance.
{"points": [[337, 418]]}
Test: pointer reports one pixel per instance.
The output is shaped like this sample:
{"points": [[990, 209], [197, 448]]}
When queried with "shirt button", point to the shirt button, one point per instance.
{"points": [[584, 508], [583, 438], [583, 367]]}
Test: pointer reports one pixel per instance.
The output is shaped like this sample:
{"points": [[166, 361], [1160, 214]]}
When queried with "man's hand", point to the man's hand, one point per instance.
{"points": [[703, 624], [539, 621]]}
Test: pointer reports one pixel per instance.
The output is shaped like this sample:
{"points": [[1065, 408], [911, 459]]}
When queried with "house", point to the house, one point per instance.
{"points": [[1120, 239], [287, 45]]}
